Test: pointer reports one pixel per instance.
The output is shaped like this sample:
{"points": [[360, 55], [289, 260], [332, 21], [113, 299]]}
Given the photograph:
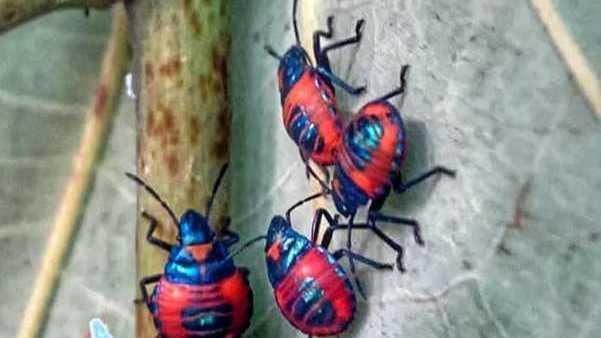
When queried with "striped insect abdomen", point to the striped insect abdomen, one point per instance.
{"points": [[316, 295], [372, 150], [182, 310], [311, 118]]}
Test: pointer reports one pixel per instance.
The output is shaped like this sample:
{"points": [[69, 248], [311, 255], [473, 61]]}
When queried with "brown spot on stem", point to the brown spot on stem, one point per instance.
{"points": [[220, 72], [167, 130], [141, 164], [101, 100], [170, 68], [169, 120], [168, 117], [174, 139], [9, 15], [203, 86], [220, 60], [218, 85], [194, 130], [150, 122], [195, 23], [172, 163], [149, 72], [190, 11], [220, 148]]}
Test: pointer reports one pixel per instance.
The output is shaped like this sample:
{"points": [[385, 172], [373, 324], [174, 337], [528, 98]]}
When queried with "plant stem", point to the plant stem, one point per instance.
{"points": [[67, 218], [180, 54], [571, 53]]}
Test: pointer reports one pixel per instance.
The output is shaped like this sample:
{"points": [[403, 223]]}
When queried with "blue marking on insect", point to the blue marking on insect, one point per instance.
{"points": [[353, 195], [292, 247], [309, 137], [363, 140], [207, 319], [299, 122], [324, 316], [98, 329], [293, 65], [194, 229], [310, 294], [182, 267]]}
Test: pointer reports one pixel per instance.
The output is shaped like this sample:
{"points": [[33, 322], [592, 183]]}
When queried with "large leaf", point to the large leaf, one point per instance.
{"points": [[488, 95]]}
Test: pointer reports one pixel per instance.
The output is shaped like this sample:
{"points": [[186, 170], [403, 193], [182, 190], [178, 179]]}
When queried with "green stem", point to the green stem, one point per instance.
{"points": [[180, 53]]}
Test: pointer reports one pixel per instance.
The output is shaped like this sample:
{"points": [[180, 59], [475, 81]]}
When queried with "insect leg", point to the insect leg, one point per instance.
{"points": [[143, 282], [376, 216], [367, 261], [215, 189], [332, 221], [309, 172], [325, 243], [339, 82], [150, 238], [371, 226], [303, 201], [231, 238], [351, 258], [322, 59], [323, 62], [306, 162], [401, 187], [272, 52], [352, 40], [397, 91]]}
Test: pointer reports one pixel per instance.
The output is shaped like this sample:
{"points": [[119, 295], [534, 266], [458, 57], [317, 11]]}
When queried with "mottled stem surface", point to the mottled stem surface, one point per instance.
{"points": [[180, 53]]}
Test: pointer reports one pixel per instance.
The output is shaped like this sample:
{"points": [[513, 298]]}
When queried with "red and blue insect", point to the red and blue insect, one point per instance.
{"points": [[368, 164], [310, 113], [310, 286], [201, 292]]}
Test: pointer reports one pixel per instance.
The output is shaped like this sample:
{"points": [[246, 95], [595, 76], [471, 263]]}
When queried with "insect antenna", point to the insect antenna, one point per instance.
{"points": [[154, 194], [215, 188], [246, 245], [305, 200], [272, 52], [294, 10]]}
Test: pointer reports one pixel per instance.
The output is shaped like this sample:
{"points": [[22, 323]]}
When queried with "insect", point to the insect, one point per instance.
{"points": [[311, 288], [310, 114], [368, 163], [201, 292]]}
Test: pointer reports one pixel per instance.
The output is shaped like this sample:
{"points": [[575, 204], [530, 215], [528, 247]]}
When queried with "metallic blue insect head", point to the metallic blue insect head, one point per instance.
{"points": [[292, 66], [194, 229]]}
